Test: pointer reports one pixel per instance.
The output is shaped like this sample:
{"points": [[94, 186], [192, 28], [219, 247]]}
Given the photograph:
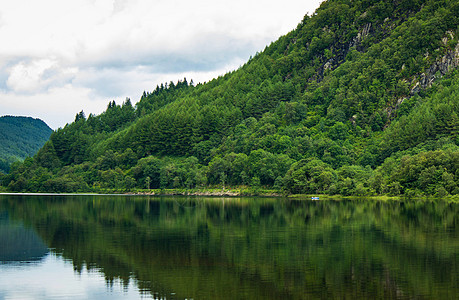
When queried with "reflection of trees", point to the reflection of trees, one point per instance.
{"points": [[268, 248]]}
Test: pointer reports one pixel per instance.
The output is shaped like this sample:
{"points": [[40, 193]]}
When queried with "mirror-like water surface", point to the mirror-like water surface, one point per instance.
{"points": [[96, 247]]}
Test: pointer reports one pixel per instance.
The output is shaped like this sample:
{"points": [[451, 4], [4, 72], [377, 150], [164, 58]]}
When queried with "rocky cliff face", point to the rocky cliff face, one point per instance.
{"points": [[441, 67], [341, 51], [438, 69]]}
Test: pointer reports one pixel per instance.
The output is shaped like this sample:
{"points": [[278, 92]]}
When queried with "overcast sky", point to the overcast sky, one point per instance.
{"points": [[60, 57]]}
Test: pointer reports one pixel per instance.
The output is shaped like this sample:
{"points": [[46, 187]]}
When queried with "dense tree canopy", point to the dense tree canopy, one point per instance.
{"points": [[340, 105]]}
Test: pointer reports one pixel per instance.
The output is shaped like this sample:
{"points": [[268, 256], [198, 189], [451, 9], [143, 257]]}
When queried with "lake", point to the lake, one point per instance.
{"points": [[131, 247]]}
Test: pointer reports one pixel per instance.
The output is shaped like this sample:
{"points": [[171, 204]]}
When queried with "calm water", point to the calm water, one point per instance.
{"points": [[115, 247]]}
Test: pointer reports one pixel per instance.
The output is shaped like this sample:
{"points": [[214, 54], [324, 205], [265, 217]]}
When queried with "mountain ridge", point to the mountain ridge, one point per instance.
{"points": [[20, 137]]}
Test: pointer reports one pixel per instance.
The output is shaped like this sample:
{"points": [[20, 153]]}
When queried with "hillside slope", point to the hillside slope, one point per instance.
{"points": [[20, 137], [338, 105]]}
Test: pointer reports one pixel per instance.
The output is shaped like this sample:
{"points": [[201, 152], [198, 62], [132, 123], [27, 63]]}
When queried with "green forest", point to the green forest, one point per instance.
{"points": [[20, 137], [360, 99]]}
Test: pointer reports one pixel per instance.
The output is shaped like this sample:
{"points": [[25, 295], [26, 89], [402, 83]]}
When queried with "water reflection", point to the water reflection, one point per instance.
{"points": [[54, 278], [19, 244], [207, 248]]}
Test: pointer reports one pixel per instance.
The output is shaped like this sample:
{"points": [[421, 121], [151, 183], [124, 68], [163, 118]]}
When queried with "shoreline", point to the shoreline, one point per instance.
{"points": [[240, 193]]}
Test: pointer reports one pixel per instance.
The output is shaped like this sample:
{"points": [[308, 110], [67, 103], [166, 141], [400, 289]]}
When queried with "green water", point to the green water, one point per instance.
{"points": [[126, 247]]}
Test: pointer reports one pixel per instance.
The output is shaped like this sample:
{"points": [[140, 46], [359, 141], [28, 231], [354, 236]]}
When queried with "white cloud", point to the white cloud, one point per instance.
{"points": [[28, 77], [38, 75], [99, 50], [56, 106]]}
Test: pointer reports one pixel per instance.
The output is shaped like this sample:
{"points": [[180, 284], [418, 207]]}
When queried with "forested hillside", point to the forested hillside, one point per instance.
{"points": [[20, 137], [360, 99]]}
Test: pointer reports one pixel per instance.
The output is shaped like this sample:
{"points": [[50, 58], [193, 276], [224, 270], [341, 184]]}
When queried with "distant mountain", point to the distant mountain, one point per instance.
{"points": [[361, 98], [20, 137], [19, 243]]}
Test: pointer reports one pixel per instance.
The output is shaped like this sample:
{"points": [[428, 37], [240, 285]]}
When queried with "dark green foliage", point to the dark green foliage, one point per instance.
{"points": [[20, 137], [247, 248], [434, 117], [332, 107]]}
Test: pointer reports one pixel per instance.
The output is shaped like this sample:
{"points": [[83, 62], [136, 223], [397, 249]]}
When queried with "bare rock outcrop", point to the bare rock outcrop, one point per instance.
{"points": [[438, 69]]}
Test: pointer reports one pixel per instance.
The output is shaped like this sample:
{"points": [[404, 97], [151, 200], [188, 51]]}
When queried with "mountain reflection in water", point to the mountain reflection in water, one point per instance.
{"points": [[243, 248], [19, 244]]}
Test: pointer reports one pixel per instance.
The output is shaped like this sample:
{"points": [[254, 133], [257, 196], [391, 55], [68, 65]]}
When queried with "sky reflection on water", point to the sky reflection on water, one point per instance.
{"points": [[54, 278]]}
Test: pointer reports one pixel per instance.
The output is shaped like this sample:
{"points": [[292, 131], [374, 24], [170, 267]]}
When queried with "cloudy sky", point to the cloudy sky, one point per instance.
{"points": [[60, 57]]}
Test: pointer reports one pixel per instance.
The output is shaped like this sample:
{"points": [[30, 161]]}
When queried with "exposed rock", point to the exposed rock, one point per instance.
{"points": [[341, 52], [416, 88], [363, 33], [449, 36], [328, 65], [438, 69]]}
